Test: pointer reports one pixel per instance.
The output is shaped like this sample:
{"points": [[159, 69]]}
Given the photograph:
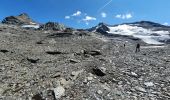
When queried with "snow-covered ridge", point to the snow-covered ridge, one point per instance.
{"points": [[147, 35]]}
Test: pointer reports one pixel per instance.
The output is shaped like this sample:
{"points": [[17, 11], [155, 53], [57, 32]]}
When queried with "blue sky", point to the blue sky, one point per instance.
{"points": [[88, 13]]}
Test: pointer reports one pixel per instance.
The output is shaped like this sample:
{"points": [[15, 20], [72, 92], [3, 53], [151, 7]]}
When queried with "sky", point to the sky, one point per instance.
{"points": [[88, 13]]}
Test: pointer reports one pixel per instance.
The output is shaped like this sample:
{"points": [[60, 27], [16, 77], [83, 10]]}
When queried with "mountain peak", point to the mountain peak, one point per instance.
{"points": [[102, 23], [22, 19], [24, 15]]}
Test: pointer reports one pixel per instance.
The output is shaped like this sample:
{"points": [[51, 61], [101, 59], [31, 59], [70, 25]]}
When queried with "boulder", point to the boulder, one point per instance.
{"points": [[59, 92]]}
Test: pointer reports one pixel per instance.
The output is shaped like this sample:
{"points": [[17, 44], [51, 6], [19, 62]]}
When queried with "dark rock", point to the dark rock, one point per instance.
{"points": [[37, 97], [69, 30], [4, 51], [51, 95], [72, 61], [54, 52], [32, 60], [39, 42], [52, 26], [98, 72], [93, 53], [83, 33]]}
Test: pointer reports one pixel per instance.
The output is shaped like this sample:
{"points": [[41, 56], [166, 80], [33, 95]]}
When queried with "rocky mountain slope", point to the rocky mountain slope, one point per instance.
{"points": [[22, 19], [79, 65]]}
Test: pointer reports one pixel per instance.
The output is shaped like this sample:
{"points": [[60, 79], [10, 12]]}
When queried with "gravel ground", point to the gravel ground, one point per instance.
{"points": [[50, 65]]}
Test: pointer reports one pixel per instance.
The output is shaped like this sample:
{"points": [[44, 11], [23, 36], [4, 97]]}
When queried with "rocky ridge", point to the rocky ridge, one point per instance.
{"points": [[22, 19]]}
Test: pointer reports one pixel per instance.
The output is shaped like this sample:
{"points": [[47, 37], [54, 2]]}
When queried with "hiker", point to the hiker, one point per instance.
{"points": [[124, 45], [138, 48]]}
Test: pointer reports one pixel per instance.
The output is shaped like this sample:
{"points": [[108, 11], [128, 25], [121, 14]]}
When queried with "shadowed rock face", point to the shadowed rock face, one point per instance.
{"points": [[52, 26], [101, 28], [22, 19]]}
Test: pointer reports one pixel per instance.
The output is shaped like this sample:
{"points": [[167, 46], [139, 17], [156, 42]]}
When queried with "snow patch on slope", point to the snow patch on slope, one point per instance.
{"points": [[148, 36], [31, 26]]}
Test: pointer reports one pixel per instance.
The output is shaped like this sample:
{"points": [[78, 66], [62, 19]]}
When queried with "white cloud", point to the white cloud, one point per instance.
{"points": [[128, 16], [82, 17], [166, 23], [87, 23], [67, 17], [118, 16], [78, 13], [124, 16], [89, 18], [103, 14]]}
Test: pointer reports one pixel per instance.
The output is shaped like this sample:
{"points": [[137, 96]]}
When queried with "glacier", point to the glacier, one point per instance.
{"points": [[147, 35]]}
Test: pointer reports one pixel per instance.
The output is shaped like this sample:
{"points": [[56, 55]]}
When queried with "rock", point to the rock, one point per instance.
{"points": [[99, 92], [69, 30], [4, 51], [73, 61], [82, 51], [37, 97], [89, 78], [93, 53], [39, 42], [52, 41], [98, 72], [50, 95], [57, 74], [140, 89], [76, 73], [105, 87], [33, 60], [85, 81], [59, 92], [54, 52], [1, 91], [149, 84], [103, 69], [63, 82], [134, 74]]}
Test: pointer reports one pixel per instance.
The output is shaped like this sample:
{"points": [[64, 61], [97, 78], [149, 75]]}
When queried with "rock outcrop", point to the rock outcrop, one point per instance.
{"points": [[52, 26]]}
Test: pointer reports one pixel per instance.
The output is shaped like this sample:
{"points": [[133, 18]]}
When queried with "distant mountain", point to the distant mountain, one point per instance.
{"points": [[149, 32], [150, 25], [25, 21], [22, 19]]}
